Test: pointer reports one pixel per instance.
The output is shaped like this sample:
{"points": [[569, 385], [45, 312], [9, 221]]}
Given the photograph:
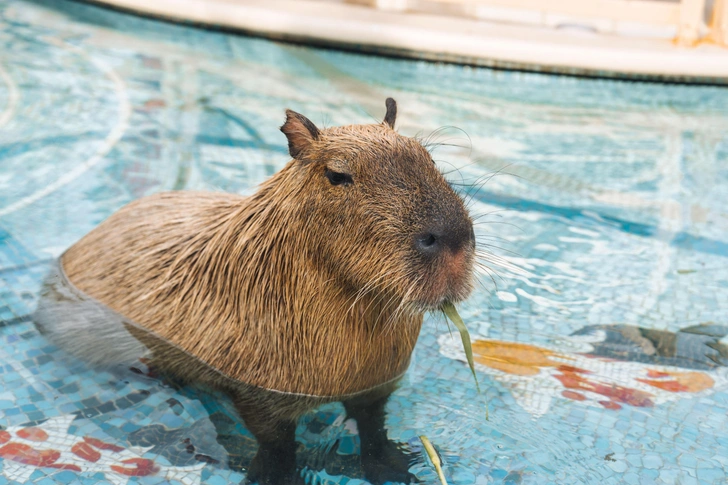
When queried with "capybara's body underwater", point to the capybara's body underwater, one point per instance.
{"points": [[310, 290]]}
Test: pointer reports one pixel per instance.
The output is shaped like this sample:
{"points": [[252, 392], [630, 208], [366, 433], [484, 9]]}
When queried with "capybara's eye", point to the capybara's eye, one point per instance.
{"points": [[338, 178]]}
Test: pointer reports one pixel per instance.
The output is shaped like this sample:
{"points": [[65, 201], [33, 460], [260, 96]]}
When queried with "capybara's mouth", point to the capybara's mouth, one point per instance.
{"points": [[452, 291], [451, 282]]}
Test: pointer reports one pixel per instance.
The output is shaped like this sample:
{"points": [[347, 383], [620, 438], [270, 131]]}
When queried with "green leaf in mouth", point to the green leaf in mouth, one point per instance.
{"points": [[451, 312]]}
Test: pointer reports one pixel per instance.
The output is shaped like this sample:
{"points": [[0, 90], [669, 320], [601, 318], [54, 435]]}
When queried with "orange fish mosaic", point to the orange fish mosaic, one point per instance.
{"points": [[536, 375]]}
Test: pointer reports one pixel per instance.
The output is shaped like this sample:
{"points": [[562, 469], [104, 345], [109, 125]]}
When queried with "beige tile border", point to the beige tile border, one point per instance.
{"points": [[449, 38]]}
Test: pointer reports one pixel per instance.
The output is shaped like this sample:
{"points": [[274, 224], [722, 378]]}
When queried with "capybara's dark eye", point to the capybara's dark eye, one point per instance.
{"points": [[338, 178]]}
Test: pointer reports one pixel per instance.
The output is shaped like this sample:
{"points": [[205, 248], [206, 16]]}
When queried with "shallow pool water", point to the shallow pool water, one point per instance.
{"points": [[600, 339]]}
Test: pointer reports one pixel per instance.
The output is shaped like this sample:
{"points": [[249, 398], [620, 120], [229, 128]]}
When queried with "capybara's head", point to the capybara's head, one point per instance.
{"points": [[379, 215]]}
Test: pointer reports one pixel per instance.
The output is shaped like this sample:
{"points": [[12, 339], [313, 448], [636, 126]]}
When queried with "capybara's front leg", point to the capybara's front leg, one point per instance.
{"points": [[275, 461], [381, 459]]}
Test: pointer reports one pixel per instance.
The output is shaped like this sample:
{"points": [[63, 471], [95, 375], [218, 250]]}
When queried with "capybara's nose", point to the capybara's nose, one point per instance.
{"points": [[439, 237]]}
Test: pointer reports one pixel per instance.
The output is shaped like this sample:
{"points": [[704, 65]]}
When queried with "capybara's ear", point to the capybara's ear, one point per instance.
{"points": [[391, 115], [300, 131]]}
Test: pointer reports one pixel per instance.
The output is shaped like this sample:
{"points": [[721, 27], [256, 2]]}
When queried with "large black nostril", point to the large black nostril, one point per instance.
{"points": [[427, 243], [439, 237]]}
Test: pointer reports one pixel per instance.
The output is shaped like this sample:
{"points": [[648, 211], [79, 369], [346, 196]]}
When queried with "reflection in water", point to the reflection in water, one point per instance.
{"points": [[94, 333]]}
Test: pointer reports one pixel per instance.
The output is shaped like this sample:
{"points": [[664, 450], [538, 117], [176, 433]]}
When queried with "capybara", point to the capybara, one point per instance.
{"points": [[311, 290]]}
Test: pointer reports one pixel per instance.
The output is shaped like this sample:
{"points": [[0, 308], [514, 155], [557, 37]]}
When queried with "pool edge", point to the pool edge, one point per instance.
{"points": [[323, 25]]}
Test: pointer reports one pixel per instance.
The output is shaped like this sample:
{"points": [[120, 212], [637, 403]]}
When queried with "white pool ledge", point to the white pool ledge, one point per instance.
{"points": [[449, 38]]}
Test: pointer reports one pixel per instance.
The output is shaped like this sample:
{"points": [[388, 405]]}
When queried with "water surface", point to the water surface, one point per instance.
{"points": [[599, 340]]}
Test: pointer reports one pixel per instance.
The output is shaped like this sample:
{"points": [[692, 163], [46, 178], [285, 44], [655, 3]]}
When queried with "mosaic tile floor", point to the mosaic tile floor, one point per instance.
{"points": [[600, 342]]}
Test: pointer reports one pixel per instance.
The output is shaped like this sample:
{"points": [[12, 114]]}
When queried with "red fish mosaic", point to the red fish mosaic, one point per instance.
{"points": [[49, 446], [537, 374]]}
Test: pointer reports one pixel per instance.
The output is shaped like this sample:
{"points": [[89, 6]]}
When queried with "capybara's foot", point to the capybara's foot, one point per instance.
{"points": [[275, 461], [264, 472], [388, 463], [381, 459]]}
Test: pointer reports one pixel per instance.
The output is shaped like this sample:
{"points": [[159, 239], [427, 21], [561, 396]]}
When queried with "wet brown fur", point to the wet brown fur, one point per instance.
{"points": [[304, 287]]}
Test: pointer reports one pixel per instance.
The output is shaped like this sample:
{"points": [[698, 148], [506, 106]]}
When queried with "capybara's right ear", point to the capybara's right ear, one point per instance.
{"points": [[391, 115], [300, 131]]}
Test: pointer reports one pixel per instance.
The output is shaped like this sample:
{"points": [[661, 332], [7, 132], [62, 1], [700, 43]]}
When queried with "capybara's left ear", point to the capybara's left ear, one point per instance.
{"points": [[300, 131], [391, 115]]}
